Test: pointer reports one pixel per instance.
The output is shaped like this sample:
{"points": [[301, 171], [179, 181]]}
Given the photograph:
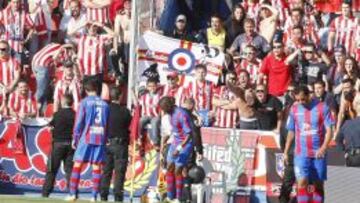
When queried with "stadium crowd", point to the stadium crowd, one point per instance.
{"points": [[53, 52]]}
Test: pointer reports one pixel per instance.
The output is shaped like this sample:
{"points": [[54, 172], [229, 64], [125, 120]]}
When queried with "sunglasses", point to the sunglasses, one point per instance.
{"points": [[249, 53], [308, 52], [260, 91], [3, 49], [278, 47]]}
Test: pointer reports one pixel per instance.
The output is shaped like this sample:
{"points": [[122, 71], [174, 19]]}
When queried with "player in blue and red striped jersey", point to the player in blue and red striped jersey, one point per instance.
{"points": [[90, 131], [309, 123], [180, 149]]}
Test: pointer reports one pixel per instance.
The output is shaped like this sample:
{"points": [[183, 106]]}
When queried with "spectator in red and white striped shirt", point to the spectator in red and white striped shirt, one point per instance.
{"points": [[343, 28], [16, 22], [150, 110], [21, 103], [225, 118], [251, 64], [92, 52], [10, 68], [97, 11], [78, 17], [43, 65], [173, 89], [202, 92], [68, 85]]}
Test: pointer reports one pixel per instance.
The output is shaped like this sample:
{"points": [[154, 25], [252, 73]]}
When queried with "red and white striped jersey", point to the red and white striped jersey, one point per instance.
{"points": [[345, 29], [8, 71], [178, 93], [67, 87], [202, 93], [98, 14], [91, 54], [22, 104], [150, 104], [15, 24], [45, 21], [310, 30], [225, 118], [252, 68], [45, 56], [252, 11], [283, 8], [357, 44]]}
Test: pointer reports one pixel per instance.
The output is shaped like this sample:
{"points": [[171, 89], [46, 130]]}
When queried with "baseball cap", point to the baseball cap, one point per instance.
{"points": [[181, 17], [340, 48], [172, 75]]}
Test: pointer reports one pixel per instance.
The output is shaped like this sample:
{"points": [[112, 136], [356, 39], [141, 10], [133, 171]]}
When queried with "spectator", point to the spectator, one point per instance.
{"points": [[10, 68], [44, 64], [235, 24], [91, 53], [269, 17], [225, 118], [16, 22], [342, 28], [97, 11], [216, 35], [174, 89], [180, 31], [76, 19], [352, 71], [337, 70], [295, 41], [268, 110], [21, 103], [276, 70], [250, 63], [249, 37], [202, 91], [252, 8], [68, 85], [324, 96], [243, 79], [149, 102], [348, 139]]}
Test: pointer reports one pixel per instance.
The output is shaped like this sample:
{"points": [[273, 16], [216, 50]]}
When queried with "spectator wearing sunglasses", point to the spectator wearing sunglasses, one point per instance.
{"points": [[269, 109], [250, 63]]}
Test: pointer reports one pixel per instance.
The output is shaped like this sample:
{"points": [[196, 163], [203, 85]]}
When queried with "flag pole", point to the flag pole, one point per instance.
{"points": [[131, 79]]}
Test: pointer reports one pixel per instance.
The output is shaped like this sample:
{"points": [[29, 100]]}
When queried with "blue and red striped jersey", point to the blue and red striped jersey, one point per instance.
{"points": [[181, 124], [91, 121], [309, 126]]}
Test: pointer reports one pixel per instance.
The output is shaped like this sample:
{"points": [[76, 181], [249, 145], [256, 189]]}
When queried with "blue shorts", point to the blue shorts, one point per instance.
{"points": [[182, 158], [310, 168]]}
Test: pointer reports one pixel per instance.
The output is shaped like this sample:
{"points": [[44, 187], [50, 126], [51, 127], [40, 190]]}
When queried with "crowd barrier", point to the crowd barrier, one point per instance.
{"points": [[241, 166]]}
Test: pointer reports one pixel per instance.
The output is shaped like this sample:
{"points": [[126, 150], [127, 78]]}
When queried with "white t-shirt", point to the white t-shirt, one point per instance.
{"points": [[166, 128], [67, 22]]}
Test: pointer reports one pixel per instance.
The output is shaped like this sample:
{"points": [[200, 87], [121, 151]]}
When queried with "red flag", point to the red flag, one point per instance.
{"points": [[134, 126]]}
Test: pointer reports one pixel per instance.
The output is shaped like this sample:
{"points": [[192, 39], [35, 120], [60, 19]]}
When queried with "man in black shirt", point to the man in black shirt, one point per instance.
{"points": [[117, 149], [268, 110], [327, 97], [62, 123]]}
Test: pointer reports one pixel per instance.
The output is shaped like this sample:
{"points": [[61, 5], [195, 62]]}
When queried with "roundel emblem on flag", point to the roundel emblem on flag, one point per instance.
{"points": [[181, 60]]}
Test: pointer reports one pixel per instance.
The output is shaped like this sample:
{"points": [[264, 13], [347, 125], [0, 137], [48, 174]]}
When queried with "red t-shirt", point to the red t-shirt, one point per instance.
{"points": [[278, 74]]}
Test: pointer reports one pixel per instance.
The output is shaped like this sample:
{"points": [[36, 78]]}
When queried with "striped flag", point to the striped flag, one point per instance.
{"points": [[177, 55]]}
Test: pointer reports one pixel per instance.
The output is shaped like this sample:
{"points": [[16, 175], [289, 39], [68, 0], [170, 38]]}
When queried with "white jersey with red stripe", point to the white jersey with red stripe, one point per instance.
{"points": [[202, 93], [251, 67], [98, 15], [150, 104], [252, 10], [22, 104], [67, 87], [282, 7], [15, 24], [91, 54], [177, 92], [345, 30], [46, 55], [8, 71], [225, 118]]}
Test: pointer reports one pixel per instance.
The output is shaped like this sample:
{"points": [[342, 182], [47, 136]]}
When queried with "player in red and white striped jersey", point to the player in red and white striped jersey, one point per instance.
{"points": [[343, 28], [68, 85], [22, 103], [97, 11], [251, 64], [10, 68], [225, 118], [16, 22], [150, 110], [202, 92], [173, 89]]}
